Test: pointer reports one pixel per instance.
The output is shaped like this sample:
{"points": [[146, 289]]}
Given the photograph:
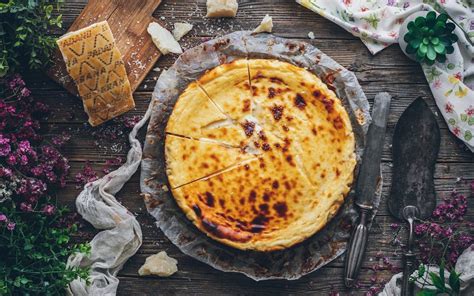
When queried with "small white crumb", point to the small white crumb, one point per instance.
{"points": [[181, 29], [165, 188], [311, 35], [163, 39], [265, 26], [159, 264], [157, 69], [162, 18], [222, 8]]}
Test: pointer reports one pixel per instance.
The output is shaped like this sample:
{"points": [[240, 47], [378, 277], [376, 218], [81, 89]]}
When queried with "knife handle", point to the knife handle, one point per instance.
{"points": [[356, 250]]}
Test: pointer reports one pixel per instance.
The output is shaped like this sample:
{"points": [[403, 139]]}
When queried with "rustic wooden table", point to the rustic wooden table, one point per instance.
{"points": [[388, 71]]}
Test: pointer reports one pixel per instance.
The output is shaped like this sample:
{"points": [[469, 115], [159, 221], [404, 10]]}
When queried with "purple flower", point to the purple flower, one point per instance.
{"points": [[406, 4], [11, 226], [26, 207], [49, 210], [3, 218], [391, 2], [11, 159], [5, 148], [25, 92], [394, 226]]}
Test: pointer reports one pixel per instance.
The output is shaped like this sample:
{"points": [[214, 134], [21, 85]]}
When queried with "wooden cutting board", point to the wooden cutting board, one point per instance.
{"points": [[128, 20]]}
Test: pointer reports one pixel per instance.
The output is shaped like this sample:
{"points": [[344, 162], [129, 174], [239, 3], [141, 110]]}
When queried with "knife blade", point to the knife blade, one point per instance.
{"points": [[367, 185], [370, 167]]}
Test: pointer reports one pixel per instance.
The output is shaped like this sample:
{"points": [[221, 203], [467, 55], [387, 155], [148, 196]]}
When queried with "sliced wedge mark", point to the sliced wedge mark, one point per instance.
{"points": [[218, 107], [222, 143], [219, 124], [299, 162], [221, 171]]}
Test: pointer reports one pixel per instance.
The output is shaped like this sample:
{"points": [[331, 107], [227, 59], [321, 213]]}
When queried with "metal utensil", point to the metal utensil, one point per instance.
{"points": [[415, 148], [366, 186]]}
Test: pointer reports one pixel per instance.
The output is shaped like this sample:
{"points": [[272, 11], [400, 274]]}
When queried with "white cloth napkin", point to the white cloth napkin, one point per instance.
{"points": [[121, 235], [377, 23]]}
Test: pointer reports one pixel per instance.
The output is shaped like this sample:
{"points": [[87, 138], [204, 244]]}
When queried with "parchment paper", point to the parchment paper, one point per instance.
{"points": [[292, 263]]}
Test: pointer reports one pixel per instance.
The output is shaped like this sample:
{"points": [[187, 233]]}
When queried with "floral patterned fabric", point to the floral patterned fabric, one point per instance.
{"points": [[377, 23]]}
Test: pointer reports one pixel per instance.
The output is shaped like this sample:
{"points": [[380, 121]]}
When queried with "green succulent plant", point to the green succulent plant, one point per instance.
{"points": [[430, 38]]}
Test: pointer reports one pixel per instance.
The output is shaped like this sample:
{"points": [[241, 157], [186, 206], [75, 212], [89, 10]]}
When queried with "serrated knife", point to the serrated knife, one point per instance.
{"points": [[366, 186]]}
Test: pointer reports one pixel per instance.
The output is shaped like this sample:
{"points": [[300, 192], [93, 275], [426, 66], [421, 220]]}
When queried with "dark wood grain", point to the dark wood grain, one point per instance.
{"points": [[388, 71]]}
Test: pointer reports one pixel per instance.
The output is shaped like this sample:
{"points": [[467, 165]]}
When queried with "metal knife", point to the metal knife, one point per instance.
{"points": [[366, 186]]}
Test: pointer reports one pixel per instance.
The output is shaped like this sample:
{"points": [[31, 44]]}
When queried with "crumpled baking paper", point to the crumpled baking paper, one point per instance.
{"points": [[291, 263]]}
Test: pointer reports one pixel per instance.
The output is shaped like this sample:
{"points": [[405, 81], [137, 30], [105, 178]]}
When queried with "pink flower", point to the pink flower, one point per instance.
{"points": [[49, 210], [456, 131], [458, 76], [26, 207], [25, 92], [449, 107], [437, 83], [11, 226], [347, 2], [3, 218], [470, 111]]}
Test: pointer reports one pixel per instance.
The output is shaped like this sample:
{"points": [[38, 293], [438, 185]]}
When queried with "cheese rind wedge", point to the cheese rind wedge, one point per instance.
{"points": [[163, 39], [181, 29], [159, 264], [222, 8], [95, 64], [265, 26]]}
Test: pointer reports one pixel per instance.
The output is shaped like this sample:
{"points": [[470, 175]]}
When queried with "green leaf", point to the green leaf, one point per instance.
{"points": [[431, 53], [430, 18], [410, 49], [449, 49], [450, 27], [439, 48], [408, 37], [450, 66], [415, 43], [435, 40], [441, 58], [426, 41], [463, 117], [468, 135], [443, 17], [426, 293], [437, 282], [421, 270], [420, 21], [423, 48], [470, 121], [453, 38], [454, 281], [441, 271], [411, 26]]}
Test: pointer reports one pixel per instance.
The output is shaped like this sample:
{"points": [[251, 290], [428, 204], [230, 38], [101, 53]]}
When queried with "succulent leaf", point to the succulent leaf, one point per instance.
{"points": [[442, 18], [430, 38], [440, 49], [441, 58], [431, 53], [410, 49], [423, 48], [420, 21]]}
